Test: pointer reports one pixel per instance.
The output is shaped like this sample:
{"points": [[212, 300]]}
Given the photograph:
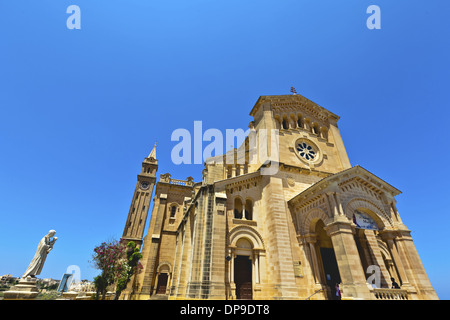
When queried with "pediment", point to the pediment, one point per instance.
{"points": [[337, 182]]}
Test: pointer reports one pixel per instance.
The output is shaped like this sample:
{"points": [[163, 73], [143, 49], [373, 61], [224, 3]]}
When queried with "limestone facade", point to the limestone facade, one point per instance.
{"points": [[292, 234]]}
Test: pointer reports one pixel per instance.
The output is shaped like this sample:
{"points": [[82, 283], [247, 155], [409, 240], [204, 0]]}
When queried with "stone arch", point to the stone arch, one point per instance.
{"points": [[238, 207], [285, 125], [163, 278], [173, 209], [247, 233], [292, 121], [371, 209], [310, 219], [246, 254], [384, 250], [248, 206], [164, 267], [299, 121], [315, 128]]}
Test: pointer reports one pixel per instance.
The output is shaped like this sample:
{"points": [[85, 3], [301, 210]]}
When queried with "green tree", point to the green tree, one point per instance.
{"points": [[132, 267]]}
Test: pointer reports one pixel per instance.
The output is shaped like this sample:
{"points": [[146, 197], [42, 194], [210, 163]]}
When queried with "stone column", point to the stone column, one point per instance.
{"points": [[388, 237], [305, 124], [413, 266], [377, 259], [311, 240], [352, 275], [232, 283], [256, 265], [332, 202]]}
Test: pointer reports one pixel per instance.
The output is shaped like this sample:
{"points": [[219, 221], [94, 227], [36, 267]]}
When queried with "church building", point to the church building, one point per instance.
{"points": [[312, 224]]}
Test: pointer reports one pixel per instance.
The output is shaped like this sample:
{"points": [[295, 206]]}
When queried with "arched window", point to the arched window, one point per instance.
{"points": [[249, 209], [237, 208], [278, 122], [173, 211], [325, 133], [315, 129], [299, 123], [284, 124]]}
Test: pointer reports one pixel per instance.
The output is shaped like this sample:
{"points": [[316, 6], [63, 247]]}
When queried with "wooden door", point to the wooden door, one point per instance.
{"points": [[243, 277], [162, 283]]}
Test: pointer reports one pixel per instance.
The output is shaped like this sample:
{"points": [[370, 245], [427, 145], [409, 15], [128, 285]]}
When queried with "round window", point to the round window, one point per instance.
{"points": [[306, 151]]}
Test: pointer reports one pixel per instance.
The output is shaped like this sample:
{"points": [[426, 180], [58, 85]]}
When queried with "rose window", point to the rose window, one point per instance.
{"points": [[306, 151]]}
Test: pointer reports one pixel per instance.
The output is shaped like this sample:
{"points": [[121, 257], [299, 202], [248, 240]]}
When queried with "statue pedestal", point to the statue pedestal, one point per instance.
{"points": [[71, 295], [26, 289]]}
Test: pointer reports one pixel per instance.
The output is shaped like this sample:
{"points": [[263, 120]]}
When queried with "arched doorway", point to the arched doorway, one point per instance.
{"points": [[243, 270], [370, 247], [246, 254], [329, 270], [162, 279]]}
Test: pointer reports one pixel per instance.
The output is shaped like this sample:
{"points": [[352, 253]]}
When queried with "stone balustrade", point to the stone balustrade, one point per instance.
{"points": [[390, 294], [167, 178]]}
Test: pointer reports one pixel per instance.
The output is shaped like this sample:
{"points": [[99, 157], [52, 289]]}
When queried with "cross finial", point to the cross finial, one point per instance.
{"points": [[294, 92]]}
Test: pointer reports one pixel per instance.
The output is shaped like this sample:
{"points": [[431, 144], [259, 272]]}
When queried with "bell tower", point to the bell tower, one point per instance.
{"points": [[137, 216]]}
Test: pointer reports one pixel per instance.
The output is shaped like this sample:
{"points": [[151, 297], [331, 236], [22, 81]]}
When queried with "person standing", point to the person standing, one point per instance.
{"points": [[338, 292]]}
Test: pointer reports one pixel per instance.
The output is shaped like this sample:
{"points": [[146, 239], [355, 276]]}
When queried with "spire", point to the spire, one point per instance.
{"points": [[153, 153]]}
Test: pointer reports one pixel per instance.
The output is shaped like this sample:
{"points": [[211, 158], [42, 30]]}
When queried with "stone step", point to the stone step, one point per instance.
{"points": [[159, 297]]}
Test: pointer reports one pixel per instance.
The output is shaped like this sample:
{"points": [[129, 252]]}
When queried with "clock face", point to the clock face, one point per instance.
{"points": [[145, 185], [306, 151]]}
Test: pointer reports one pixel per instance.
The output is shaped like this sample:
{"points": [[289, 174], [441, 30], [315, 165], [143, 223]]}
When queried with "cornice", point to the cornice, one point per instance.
{"points": [[238, 180], [286, 103]]}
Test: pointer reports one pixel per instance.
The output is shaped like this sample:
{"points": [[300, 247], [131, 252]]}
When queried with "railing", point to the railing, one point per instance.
{"points": [[166, 178], [178, 182], [390, 294], [320, 290]]}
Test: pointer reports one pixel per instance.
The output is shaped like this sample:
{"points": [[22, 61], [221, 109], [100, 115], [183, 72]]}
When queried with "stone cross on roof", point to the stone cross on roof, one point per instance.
{"points": [[294, 92]]}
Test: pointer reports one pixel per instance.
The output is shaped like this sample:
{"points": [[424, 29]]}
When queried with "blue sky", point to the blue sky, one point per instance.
{"points": [[81, 109]]}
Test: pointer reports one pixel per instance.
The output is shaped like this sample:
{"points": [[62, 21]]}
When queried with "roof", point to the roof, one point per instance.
{"points": [[291, 98]]}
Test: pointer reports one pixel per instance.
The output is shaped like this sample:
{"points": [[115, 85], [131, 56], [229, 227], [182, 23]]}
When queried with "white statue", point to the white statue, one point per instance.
{"points": [[44, 247]]}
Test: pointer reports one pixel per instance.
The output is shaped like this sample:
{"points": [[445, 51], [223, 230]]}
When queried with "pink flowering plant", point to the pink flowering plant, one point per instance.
{"points": [[118, 262]]}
